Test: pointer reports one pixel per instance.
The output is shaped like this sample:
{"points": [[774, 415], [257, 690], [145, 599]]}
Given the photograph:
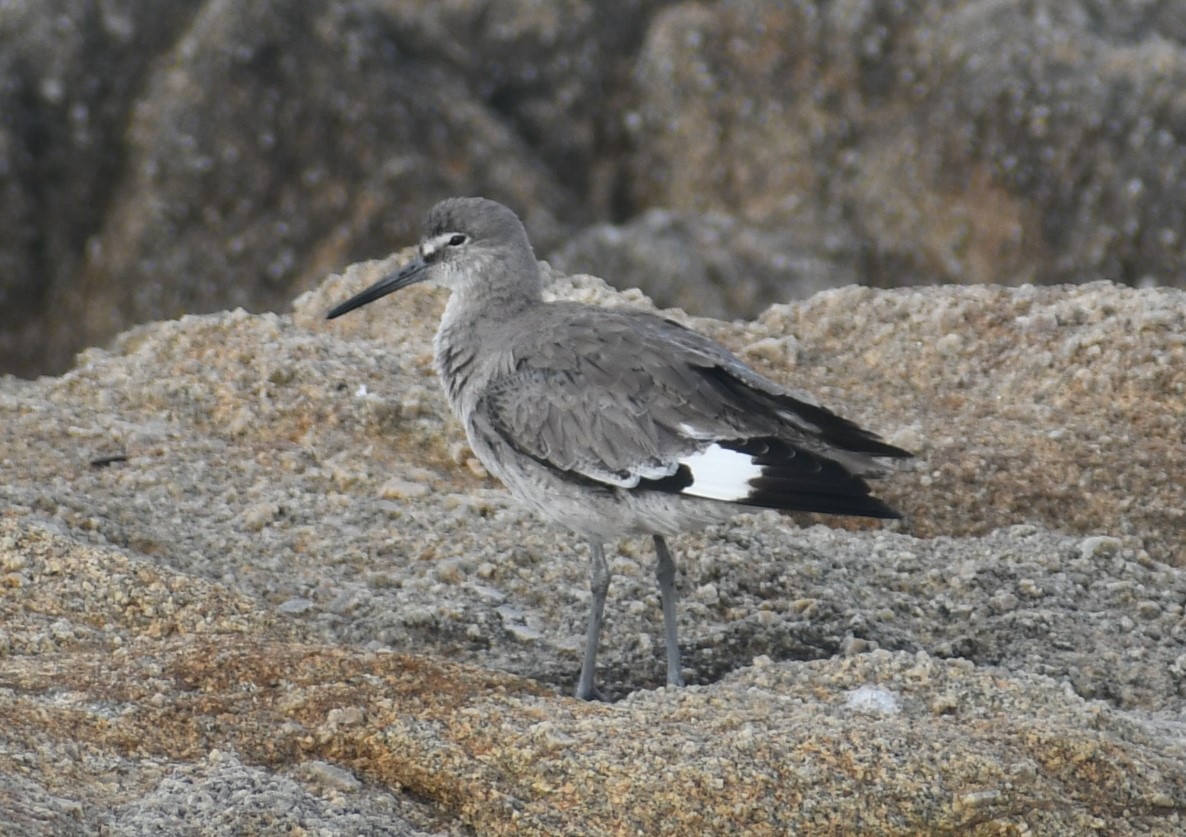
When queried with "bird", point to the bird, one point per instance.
{"points": [[617, 423]]}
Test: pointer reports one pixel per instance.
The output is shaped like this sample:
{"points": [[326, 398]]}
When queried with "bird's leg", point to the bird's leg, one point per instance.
{"points": [[599, 584], [665, 573]]}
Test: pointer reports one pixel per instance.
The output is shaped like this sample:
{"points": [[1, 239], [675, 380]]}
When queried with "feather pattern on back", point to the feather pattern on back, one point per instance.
{"points": [[627, 399]]}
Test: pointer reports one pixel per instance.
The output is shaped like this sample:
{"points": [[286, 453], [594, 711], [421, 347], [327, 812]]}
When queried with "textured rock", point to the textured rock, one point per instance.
{"points": [[285, 140], [174, 158], [958, 141], [70, 74], [284, 595], [168, 158], [771, 749], [708, 264]]}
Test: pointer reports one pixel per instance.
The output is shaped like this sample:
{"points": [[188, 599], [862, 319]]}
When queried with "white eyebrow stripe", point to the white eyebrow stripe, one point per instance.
{"points": [[431, 245]]}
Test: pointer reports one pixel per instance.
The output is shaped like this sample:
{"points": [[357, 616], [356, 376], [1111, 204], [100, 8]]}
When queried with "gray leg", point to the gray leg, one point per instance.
{"points": [[599, 584], [665, 573]]}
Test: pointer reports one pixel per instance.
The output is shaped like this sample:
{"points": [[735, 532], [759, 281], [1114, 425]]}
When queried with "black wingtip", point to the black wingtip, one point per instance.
{"points": [[794, 479], [833, 429], [775, 494]]}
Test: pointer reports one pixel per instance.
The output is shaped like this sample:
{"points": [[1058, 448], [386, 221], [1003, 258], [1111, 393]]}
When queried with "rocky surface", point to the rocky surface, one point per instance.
{"points": [[251, 579], [957, 141], [710, 262], [182, 157]]}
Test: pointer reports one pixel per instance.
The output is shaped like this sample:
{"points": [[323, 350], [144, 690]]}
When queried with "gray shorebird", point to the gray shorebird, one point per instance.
{"points": [[615, 422]]}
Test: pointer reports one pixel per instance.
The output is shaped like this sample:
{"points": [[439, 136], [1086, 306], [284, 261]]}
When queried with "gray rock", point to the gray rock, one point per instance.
{"points": [[1010, 656], [956, 142], [710, 265], [182, 158], [70, 75], [166, 158], [221, 795]]}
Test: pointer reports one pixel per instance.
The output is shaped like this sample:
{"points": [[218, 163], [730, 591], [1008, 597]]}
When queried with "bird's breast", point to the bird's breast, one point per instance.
{"points": [[456, 364]]}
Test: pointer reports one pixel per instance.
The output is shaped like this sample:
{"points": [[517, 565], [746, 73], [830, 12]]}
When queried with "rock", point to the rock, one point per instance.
{"points": [[708, 264], [177, 158], [954, 142], [169, 158], [1009, 657], [69, 80]]}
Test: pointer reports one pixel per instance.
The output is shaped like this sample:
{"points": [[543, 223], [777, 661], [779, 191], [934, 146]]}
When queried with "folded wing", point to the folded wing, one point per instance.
{"points": [[635, 402]]}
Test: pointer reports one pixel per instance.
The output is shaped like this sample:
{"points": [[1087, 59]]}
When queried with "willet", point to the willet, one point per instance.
{"points": [[615, 422]]}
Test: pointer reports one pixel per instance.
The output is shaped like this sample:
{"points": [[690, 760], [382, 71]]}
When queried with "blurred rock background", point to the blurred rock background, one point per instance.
{"points": [[169, 157]]}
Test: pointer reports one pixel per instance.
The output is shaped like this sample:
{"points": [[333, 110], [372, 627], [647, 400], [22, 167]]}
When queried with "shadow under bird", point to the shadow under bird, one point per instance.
{"points": [[616, 422]]}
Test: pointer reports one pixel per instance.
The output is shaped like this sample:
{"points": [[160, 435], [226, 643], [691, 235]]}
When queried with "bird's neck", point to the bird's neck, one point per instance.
{"points": [[478, 319], [484, 303]]}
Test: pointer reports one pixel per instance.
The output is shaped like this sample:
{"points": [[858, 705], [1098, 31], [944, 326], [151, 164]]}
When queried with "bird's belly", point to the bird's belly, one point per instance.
{"points": [[597, 511]]}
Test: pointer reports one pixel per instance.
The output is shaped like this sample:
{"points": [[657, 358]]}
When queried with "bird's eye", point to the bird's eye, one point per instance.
{"points": [[457, 240]]}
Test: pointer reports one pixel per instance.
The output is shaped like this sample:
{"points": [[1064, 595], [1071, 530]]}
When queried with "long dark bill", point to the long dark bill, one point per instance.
{"points": [[409, 274]]}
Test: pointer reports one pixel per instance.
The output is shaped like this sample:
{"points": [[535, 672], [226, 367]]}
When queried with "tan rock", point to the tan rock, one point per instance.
{"points": [[976, 671]]}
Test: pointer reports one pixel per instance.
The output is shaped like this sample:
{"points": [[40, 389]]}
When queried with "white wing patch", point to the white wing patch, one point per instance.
{"points": [[692, 433], [721, 474]]}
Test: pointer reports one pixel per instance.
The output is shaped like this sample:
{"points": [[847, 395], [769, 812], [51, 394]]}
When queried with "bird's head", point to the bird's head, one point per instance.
{"points": [[468, 244]]}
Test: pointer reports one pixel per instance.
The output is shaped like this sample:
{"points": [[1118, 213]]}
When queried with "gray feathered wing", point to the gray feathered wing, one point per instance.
{"points": [[623, 399]]}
